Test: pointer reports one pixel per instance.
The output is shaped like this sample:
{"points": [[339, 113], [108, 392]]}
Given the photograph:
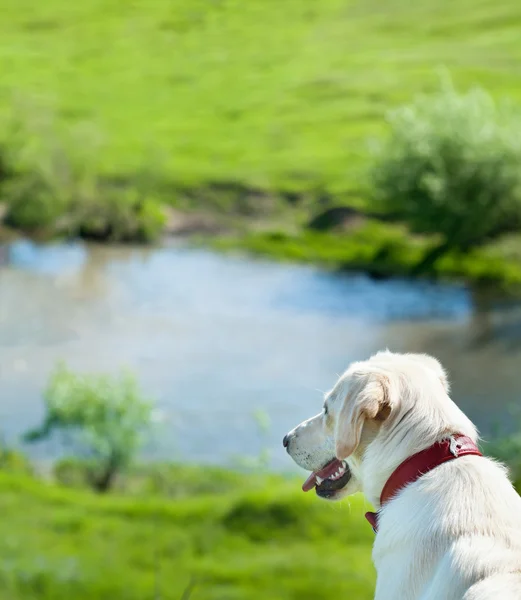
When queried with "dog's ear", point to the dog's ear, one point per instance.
{"points": [[368, 399]]}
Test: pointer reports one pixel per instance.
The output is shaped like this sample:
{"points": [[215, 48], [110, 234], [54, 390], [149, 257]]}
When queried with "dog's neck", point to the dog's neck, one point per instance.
{"points": [[378, 462]]}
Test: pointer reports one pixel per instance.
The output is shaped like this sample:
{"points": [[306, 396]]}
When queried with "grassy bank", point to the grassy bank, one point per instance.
{"points": [[237, 537], [256, 114], [384, 250]]}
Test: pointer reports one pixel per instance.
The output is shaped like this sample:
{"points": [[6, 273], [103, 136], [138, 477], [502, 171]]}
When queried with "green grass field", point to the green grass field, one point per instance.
{"points": [[234, 537], [230, 535], [248, 106], [262, 93]]}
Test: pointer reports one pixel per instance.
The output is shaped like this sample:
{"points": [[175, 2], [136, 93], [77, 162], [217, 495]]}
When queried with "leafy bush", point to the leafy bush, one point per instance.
{"points": [[100, 419], [452, 166]]}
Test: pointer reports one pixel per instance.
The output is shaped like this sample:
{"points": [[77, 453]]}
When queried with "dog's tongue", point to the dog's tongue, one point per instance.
{"points": [[324, 473]]}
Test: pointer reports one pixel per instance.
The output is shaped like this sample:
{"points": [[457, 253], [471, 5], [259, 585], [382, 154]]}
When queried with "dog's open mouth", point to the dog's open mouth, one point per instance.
{"points": [[334, 476]]}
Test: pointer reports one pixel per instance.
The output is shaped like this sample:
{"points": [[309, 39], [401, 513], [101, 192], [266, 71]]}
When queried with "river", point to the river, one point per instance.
{"points": [[214, 339]]}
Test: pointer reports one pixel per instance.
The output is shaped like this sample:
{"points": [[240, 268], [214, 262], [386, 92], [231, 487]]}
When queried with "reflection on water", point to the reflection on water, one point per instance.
{"points": [[215, 338]]}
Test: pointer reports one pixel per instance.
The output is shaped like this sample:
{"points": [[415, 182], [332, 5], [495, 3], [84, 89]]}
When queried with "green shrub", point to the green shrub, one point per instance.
{"points": [[101, 420], [452, 166]]}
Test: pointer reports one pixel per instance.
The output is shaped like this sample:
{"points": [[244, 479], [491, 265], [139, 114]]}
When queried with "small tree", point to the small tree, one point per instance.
{"points": [[100, 418], [452, 166]]}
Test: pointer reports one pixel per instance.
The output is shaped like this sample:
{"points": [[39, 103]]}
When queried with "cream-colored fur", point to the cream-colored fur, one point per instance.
{"points": [[454, 534]]}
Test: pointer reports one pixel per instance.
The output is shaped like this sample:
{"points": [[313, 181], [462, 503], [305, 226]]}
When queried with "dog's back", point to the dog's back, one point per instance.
{"points": [[453, 534]]}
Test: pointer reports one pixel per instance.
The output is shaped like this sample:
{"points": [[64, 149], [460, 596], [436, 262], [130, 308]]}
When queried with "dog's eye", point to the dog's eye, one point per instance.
{"points": [[325, 410]]}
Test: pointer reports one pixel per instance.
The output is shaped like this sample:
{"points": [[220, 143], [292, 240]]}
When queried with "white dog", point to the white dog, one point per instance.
{"points": [[449, 520]]}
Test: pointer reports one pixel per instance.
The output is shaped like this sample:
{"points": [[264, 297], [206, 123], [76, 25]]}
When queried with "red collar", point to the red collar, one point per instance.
{"points": [[418, 464]]}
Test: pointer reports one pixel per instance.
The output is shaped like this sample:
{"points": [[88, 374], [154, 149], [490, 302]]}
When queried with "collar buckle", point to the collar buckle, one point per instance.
{"points": [[454, 446]]}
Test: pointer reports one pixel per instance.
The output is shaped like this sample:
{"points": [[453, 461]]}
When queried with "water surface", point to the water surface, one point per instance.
{"points": [[215, 338]]}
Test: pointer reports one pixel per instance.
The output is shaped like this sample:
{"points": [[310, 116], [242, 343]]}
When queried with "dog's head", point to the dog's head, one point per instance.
{"points": [[379, 412]]}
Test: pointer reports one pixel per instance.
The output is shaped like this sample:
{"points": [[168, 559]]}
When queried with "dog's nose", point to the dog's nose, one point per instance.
{"points": [[285, 441]]}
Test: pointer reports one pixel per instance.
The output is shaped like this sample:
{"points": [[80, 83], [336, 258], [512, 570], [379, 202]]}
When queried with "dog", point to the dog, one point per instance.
{"points": [[448, 529]]}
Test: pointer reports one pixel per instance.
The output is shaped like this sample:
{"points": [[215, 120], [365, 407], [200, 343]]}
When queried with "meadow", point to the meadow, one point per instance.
{"points": [[215, 535], [174, 532], [258, 115], [261, 94]]}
